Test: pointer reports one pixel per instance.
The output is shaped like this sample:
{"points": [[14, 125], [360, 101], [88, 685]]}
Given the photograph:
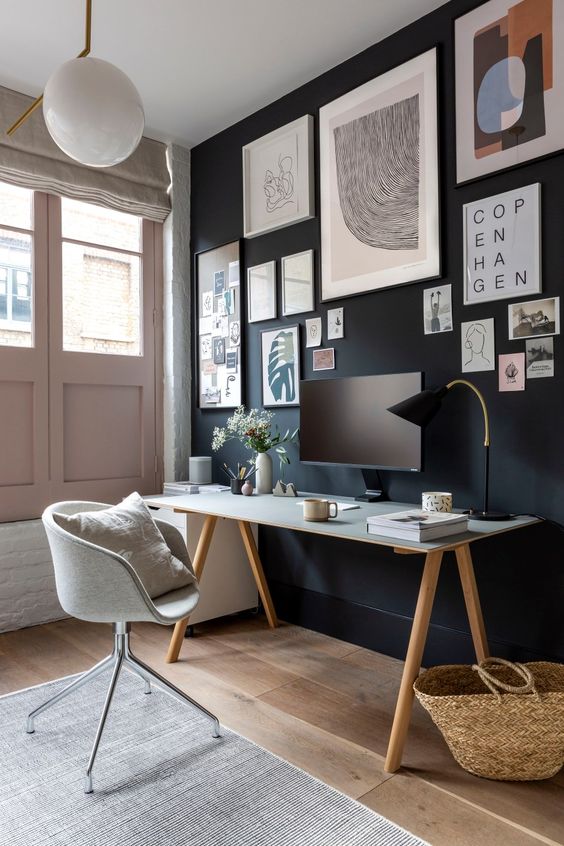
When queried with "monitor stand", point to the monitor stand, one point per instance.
{"points": [[374, 489]]}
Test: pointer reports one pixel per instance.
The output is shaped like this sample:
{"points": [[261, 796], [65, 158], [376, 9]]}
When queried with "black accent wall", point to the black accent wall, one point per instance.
{"points": [[367, 595]]}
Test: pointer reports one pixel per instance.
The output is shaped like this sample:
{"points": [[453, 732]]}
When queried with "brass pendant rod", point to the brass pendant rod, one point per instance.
{"points": [[482, 402], [36, 103]]}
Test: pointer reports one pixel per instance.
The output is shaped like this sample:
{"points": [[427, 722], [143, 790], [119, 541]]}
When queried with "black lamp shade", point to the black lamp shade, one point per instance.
{"points": [[420, 408]]}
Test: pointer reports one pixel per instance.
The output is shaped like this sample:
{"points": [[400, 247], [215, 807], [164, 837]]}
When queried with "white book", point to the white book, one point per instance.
{"points": [[180, 488], [416, 520], [421, 536]]}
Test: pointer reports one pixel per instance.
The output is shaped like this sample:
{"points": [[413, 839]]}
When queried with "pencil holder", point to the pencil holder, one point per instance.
{"points": [[236, 486]]}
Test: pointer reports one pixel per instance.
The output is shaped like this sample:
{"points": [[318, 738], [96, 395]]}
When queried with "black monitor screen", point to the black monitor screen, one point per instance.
{"points": [[346, 421]]}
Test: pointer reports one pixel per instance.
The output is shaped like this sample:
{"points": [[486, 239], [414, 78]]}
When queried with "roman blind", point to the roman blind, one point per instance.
{"points": [[31, 159]]}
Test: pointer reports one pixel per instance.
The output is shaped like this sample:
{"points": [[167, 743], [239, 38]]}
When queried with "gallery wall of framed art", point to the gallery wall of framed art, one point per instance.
{"points": [[403, 316]]}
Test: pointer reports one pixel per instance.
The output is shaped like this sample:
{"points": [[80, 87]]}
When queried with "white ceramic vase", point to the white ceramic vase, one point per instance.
{"points": [[264, 473]]}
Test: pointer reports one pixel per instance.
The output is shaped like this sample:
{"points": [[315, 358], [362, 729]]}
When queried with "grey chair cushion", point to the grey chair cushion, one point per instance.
{"points": [[129, 530]]}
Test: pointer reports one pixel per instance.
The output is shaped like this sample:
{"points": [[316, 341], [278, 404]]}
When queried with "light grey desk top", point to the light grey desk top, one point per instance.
{"points": [[284, 513]]}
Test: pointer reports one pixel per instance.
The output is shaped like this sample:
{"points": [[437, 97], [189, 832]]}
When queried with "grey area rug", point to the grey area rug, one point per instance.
{"points": [[160, 780]]}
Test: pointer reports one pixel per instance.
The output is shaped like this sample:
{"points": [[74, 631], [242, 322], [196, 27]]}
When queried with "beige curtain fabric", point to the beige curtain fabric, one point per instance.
{"points": [[30, 158]]}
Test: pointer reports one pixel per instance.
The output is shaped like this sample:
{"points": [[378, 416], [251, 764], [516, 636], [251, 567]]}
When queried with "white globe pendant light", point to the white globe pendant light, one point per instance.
{"points": [[93, 112]]}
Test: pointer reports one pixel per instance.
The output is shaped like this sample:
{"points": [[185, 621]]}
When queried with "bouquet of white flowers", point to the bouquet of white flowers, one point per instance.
{"points": [[254, 428]]}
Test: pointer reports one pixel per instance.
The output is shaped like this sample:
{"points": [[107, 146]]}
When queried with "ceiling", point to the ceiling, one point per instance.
{"points": [[199, 65]]}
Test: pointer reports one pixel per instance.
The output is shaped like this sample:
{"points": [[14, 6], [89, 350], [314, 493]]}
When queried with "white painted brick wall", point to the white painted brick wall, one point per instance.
{"points": [[28, 595]]}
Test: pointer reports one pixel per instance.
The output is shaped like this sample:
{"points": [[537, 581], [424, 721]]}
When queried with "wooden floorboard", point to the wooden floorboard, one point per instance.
{"points": [[324, 705]]}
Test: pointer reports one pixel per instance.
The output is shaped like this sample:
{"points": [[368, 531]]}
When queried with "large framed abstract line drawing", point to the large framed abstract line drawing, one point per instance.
{"points": [[219, 313], [278, 178], [379, 182], [280, 362], [509, 85]]}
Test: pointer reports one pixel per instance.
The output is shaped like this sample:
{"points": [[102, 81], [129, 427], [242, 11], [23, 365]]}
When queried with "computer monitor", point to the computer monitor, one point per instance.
{"points": [[346, 421]]}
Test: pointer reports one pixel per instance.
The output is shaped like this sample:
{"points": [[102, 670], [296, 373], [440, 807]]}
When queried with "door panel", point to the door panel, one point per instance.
{"points": [[24, 423], [103, 443]]}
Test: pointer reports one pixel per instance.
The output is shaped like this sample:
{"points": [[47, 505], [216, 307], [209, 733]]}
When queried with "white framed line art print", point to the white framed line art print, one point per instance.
{"points": [[502, 246], [380, 182], [297, 283], [278, 178], [261, 292]]}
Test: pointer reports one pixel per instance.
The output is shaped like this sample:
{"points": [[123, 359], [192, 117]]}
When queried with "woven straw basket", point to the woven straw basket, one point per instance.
{"points": [[494, 727]]}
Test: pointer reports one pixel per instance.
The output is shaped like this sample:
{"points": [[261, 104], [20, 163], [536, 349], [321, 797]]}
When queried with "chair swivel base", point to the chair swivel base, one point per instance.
{"points": [[120, 657]]}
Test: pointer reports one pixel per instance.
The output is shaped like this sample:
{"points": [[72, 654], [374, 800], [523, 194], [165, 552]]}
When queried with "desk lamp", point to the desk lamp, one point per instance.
{"points": [[421, 408]]}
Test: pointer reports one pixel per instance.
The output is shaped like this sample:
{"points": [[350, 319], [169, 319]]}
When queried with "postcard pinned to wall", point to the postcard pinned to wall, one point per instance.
{"points": [[324, 359], [313, 332], [540, 357], [437, 309], [534, 319], [335, 324], [478, 345], [231, 359], [511, 370]]}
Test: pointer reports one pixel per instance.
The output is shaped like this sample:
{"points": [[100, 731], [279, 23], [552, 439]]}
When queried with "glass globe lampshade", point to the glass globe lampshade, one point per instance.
{"points": [[93, 112]]}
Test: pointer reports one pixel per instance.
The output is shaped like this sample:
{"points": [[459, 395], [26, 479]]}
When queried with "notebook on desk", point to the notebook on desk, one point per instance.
{"points": [[341, 506]]}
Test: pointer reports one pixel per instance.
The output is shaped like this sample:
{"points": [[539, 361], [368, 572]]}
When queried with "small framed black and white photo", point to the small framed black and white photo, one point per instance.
{"points": [[297, 283], [261, 292], [280, 357]]}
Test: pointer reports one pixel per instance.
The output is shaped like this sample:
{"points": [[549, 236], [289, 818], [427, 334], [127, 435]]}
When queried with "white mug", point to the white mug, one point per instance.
{"points": [[436, 501]]}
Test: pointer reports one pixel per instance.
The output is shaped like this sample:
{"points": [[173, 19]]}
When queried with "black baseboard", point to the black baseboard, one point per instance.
{"points": [[383, 631]]}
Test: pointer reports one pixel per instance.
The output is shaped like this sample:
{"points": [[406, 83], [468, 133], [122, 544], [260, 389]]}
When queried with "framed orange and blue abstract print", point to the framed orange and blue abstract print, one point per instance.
{"points": [[509, 85]]}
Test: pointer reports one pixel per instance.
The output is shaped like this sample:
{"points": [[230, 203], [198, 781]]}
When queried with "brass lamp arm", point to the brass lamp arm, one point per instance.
{"points": [[84, 52], [482, 402]]}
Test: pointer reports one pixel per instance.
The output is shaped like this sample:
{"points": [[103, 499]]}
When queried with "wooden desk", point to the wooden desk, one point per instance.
{"points": [[285, 513]]}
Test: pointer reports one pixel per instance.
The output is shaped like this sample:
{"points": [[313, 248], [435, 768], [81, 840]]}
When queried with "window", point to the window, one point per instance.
{"points": [[16, 256], [79, 383], [101, 280]]}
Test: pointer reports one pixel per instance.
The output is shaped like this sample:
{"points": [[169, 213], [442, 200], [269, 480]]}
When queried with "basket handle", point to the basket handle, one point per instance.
{"points": [[495, 685]]}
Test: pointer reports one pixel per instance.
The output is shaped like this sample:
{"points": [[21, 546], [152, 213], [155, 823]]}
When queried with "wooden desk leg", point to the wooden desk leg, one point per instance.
{"points": [[472, 600], [198, 565], [413, 658], [258, 572]]}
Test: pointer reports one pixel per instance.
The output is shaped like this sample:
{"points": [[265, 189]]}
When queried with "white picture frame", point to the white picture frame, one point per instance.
{"points": [[261, 292], [379, 233], [280, 366], [278, 178], [502, 246], [297, 283]]}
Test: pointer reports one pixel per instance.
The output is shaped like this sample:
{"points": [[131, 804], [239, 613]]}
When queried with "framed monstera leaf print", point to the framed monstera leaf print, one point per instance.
{"points": [[280, 350]]}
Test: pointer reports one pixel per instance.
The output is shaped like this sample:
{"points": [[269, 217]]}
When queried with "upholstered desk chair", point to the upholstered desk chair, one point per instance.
{"points": [[100, 586]]}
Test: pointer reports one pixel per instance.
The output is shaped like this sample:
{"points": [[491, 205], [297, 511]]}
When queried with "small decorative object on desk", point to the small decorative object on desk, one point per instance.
{"points": [[254, 428], [247, 489], [280, 489], [500, 720], [436, 501]]}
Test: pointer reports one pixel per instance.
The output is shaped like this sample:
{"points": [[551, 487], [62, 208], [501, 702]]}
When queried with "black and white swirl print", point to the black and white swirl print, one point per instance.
{"points": [[377, 159]]}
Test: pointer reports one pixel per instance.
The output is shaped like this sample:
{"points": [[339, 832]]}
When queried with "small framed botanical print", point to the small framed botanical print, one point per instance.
{"points": [[280, 352]]}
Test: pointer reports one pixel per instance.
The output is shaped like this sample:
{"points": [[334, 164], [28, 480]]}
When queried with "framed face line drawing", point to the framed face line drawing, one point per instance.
{"points": [[278, 178]]}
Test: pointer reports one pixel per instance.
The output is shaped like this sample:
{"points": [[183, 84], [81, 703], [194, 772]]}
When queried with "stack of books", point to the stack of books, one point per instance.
{"points": [[419, 526], [173, 488]]}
